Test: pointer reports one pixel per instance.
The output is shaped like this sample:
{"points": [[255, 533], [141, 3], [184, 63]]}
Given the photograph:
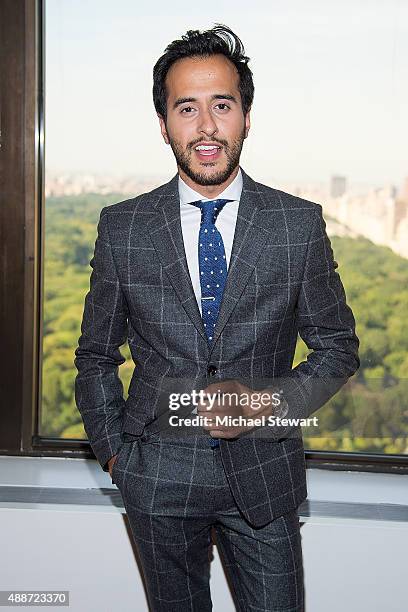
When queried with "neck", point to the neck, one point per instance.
{"points": [[208, 191]]}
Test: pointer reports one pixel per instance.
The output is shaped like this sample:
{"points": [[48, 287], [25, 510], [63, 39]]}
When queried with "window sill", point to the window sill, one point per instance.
{"points": [[80, 485]]}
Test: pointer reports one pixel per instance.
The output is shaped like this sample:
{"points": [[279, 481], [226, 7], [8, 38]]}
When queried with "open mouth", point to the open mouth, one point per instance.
{"points": [[207, 152]]}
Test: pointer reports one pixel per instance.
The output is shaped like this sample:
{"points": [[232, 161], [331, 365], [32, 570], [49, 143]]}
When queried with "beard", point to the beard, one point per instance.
{"points": [[232, 152]]}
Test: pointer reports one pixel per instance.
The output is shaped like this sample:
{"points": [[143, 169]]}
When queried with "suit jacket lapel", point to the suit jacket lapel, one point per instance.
{"points": [[254, 223], [164, 226], [252, 230]]}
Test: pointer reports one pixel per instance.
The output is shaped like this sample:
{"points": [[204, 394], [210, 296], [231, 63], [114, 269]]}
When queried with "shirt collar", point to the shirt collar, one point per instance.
{"points": [[232, 192]]}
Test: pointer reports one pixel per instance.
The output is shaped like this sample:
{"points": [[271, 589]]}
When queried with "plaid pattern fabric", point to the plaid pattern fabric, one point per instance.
{"points": [[173, 495], [281, 281]]}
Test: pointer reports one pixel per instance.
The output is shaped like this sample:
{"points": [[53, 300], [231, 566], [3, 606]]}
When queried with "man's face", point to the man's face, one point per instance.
{"points": [[204, 109]]}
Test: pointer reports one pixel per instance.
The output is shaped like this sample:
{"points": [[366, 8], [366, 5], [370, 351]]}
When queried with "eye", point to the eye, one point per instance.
{"points": [[223, 104], [187, 108]]}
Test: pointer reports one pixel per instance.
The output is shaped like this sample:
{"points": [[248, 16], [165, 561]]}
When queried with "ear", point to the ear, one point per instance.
{"points": [[163, 129], [247, 123]]}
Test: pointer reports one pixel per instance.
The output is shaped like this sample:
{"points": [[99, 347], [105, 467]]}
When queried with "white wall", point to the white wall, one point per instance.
{"points": [[350, 564]]}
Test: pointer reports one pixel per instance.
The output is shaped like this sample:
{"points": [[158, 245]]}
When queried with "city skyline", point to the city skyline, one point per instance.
{"points": [[379, 214]]}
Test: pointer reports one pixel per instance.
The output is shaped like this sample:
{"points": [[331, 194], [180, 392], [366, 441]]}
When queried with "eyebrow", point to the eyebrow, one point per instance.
{"points": [[214, 97]]}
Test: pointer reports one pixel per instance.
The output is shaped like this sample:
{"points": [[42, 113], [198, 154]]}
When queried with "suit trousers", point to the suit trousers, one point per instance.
{"points": [[174, 493]]}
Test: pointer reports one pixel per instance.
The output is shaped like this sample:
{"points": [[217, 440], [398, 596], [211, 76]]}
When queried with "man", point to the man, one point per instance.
{"points": [[210, 277]]}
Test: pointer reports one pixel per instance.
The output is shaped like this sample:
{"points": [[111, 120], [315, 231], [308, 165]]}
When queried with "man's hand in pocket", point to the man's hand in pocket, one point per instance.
{"points": [[110, 464]]}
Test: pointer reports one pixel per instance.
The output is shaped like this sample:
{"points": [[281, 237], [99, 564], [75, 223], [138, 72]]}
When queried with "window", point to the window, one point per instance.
{"points": [[328, 124]]}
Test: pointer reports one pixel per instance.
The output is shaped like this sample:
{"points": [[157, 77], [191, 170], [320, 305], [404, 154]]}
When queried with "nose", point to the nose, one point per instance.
{"points": [[207, 123]]}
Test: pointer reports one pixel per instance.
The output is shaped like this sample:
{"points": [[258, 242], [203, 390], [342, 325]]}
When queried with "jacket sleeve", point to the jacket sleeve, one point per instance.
{"points": [[98, 388], [326, 324]]}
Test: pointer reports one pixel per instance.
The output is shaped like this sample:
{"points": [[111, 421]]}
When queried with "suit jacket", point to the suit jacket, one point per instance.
{"points": [[281, 281]]}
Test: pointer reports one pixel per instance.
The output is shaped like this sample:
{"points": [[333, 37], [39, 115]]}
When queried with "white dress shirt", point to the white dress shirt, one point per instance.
{"points": [[191, 220]]}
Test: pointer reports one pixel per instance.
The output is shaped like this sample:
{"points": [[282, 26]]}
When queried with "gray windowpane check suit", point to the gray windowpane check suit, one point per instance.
{"points": [[281, 281]]}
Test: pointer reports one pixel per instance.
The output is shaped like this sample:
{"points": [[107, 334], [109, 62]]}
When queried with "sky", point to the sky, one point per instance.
{"points": [[331, 86]]}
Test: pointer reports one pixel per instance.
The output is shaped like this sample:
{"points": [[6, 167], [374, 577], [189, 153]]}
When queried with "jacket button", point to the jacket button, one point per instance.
{"points": [[212, 370]]}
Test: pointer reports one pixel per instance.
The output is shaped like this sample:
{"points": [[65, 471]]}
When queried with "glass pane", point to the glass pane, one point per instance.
{"points": [[329, 124]]}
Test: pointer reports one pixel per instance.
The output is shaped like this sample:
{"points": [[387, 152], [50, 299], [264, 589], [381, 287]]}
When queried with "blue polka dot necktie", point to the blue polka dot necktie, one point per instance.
{"points": [[212, 266]]}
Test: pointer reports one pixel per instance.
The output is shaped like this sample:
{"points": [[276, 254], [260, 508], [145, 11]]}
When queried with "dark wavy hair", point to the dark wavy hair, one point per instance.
{"points": [[219, 39]]}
